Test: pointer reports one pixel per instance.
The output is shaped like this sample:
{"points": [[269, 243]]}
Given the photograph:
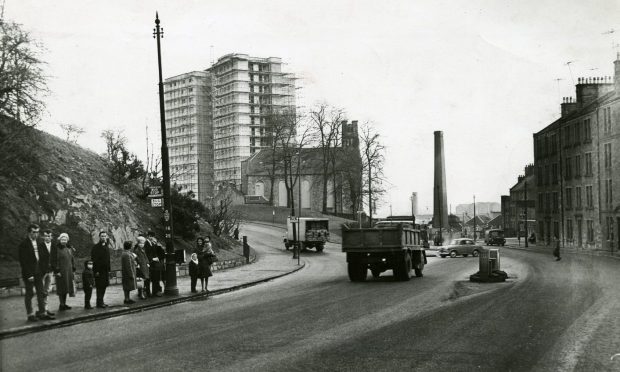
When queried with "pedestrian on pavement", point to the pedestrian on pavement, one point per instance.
{"points": [[47, 278], [156, 256], [556, 250], [88, 282], [142, 268], [64, 266], [33, 266], [206, 257], [236, 233], [100, 254], [193, 272], [128, 270]]}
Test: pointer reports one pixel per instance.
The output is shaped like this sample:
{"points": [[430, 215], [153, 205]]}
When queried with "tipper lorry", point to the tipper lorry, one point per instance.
{"points": [[389, 247]]}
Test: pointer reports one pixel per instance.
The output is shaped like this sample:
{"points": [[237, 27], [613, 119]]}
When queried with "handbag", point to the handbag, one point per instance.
{"points": [[140, 283]]}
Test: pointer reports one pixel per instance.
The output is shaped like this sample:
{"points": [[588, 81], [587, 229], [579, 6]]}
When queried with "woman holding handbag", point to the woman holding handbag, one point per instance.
{"points": [[63, 264]]}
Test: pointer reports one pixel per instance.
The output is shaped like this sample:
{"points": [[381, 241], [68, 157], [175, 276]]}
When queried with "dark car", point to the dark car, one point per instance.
{"points": [[460, 247], [495, 237]]}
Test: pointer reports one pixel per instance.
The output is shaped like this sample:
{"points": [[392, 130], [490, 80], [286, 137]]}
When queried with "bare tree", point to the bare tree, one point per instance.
{"points": [[22, 82], [372, 165], [277, 128], [326, 122], [114, 139], [294, 139], [72, 132]]}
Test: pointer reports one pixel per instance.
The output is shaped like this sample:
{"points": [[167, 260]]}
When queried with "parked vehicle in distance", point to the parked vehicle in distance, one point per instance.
{"points": [[460, 247], [495, 237], [313, 233]]}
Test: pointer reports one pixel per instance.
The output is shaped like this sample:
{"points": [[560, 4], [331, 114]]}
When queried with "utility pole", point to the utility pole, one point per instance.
{"points": [[171, 275], [474, 218]]}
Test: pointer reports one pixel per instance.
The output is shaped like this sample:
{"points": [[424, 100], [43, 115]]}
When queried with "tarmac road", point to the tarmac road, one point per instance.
{"points": [[548, 316]]}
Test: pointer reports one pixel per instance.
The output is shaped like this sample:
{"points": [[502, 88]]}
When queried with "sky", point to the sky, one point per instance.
{"points": [[483, 72]]}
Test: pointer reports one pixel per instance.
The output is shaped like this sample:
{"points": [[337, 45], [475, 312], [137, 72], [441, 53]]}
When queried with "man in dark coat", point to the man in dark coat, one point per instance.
{"points": [[34, 261], [100, 255], [156, 256]]}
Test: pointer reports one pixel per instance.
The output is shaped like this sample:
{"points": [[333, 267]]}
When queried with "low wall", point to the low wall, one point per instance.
{"points": [[116, 275]]}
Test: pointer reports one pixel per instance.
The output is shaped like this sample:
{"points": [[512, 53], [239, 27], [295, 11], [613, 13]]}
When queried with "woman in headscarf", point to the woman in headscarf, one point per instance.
{"points": [[63, 264], [142, 269], [128, 269]]}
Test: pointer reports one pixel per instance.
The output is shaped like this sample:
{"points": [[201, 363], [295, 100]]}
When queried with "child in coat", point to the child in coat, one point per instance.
{"points": [[193, 271], [88, 282]]}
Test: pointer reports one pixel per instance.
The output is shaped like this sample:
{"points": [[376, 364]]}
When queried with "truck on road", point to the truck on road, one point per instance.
{"points": [[311, 232], [384, 247]]}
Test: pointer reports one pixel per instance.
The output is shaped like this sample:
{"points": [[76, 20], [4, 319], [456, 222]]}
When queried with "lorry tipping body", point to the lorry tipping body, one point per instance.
{"points": [[313, 232], [399, 248]]}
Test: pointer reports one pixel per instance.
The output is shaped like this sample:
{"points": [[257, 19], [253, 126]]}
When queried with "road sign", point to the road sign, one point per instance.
{"points": [[156, 203], [156, 192], [166, 215]]}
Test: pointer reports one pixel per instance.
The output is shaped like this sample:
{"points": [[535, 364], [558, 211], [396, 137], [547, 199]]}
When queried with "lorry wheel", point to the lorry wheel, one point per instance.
{"points": [[418, 273], [357, 271], [443, 255], [402, 268], [320, 247]]}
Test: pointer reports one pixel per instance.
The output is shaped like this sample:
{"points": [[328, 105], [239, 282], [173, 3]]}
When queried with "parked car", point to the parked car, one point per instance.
{"points": [[495, 237], [460, 247]]}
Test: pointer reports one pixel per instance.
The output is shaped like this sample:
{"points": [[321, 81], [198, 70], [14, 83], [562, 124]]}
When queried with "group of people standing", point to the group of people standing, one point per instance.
{"points": [[42, 259], [200, 264], [39, 261], [143, 267]]}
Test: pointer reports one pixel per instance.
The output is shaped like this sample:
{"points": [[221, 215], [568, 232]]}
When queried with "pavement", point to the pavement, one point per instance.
{"points": [[513, 243], [268, 265]]}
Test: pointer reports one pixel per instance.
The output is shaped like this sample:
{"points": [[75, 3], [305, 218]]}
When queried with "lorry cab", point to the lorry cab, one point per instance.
{"points": [[494, 237]]}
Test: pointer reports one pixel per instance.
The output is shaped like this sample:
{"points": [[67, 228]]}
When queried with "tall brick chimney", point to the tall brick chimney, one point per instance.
{"points": [[440, 198]]}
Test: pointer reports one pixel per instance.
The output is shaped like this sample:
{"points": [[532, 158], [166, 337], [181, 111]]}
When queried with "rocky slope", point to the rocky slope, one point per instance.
{"points": [[66, 188]]}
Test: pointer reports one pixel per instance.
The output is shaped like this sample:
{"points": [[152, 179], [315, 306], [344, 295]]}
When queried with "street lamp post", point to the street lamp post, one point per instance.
{"points": [[171, 275], [474, 218]]}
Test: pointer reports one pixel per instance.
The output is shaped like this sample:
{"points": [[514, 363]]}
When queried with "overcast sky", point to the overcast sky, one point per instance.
{"points": [[483, 72]]}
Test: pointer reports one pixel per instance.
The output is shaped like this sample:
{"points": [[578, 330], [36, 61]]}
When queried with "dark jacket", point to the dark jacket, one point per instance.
{"points": [[152, 251], [100, 255], [88, 278], [28, 261]]}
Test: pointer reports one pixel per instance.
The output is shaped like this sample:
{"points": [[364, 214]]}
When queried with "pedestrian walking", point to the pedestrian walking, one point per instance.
{"points": [[63, 263], [156, 256], [556, 250], [128, 270], [88, 282], [33, 265], [100, 255], [206, 257], [236, 233], [193, 272], [142, 268], [47, 278]]}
